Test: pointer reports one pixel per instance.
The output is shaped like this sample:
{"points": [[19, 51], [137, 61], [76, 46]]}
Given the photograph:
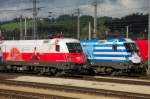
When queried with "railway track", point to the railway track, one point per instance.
{"points": [[114, 79], [98, 92], [65, 88], [132, 81], [11, 94]]}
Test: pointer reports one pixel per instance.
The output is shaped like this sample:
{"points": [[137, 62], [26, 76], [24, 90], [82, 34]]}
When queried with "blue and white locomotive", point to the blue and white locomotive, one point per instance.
{"points": [[107, 56]]}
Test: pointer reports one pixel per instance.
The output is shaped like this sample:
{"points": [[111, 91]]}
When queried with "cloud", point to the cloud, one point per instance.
{"points": [[125, 7], [114, 8], [118, 8]]}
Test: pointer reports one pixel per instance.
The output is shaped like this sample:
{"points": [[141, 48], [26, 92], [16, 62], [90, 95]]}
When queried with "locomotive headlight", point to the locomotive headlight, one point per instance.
{"points": [[136, 58], [69, 59]]}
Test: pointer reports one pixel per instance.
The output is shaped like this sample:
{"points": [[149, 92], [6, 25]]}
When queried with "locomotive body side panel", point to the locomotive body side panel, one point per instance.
{"points": [[111, 53], [143, 48], [31, 51], [50, 51]]}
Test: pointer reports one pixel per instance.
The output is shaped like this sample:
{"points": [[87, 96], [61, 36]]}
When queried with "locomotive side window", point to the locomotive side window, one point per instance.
{"points": [[131, 47], [114, 47], [74, 47], [57, 48]]}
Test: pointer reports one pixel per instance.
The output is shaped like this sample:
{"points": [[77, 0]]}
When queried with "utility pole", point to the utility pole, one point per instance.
{"points": [[34, 19], [95, 20], [148, 71], [89, 30], [78, 23], [127, 31], [25, 28], [0, 33], [21, 31]]}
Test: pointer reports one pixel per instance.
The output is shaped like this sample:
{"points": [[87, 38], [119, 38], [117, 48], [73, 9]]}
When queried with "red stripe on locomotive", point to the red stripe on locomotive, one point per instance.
{"points": [[46, 57]]}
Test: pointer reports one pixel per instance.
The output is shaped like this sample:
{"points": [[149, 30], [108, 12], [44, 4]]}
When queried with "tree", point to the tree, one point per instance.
{"points": [[84, 33], [102, 32]]}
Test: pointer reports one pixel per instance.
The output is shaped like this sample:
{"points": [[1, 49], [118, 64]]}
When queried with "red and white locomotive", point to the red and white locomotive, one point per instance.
{"points": [[44, 56]]}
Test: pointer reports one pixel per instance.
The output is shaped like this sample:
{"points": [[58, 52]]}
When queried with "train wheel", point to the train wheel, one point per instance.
{"points": [[116, 72], [90, 72], [85, 71], [108, 70], [53, 71], [144, 70], [99, 70], [60, 73]]}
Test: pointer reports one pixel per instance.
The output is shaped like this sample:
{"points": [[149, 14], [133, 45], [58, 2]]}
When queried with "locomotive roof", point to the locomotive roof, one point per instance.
{"points": [[120, 40], [111, 40], [39, 41]]}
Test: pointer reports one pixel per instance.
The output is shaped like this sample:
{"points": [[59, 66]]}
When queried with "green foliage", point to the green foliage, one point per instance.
{"points": [[67, 24], [84, 33], [15, 25], [137, 23], [102, 31]]}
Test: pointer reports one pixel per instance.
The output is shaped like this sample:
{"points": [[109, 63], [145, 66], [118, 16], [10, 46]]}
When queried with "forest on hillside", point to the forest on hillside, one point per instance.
{"points": [[107, 27]]}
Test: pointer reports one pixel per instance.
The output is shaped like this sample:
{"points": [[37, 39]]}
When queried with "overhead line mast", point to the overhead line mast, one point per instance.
{"points": [[95, 20], [34, 19], [78, 23]]}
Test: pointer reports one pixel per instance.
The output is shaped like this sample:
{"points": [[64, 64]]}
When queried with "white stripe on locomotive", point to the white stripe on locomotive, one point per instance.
{"points": [[108, 48], [112, 53]]}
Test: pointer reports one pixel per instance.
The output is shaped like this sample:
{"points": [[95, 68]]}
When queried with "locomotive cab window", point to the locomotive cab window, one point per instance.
{"points": [[74, 47], [131, 47], [57, 48]]}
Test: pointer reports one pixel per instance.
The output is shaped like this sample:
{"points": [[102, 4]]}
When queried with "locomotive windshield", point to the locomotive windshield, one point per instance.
{"points": [[131, 47], [74, 47]]}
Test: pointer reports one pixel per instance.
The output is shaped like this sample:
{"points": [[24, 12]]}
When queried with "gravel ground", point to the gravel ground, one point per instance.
{"points": [[54, 92], [143, 89]]}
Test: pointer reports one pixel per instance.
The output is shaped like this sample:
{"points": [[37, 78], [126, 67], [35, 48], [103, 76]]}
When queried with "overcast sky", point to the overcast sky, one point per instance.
{"points": [[114, 8]]}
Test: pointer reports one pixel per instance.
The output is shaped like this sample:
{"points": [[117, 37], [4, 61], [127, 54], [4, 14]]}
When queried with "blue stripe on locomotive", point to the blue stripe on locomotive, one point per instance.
{"points": [[102, 51]]}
